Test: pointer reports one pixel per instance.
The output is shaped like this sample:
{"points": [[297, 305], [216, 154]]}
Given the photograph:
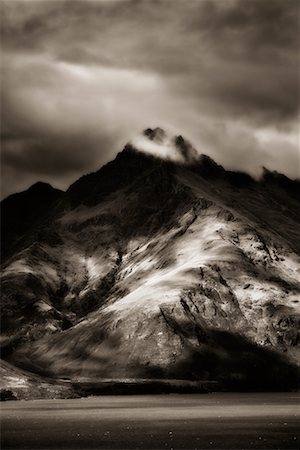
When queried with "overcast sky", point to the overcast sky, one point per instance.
{"points": [[81, 78]]}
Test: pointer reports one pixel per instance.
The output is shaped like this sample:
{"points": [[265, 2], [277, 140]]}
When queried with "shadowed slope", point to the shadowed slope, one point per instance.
{"points": [[21, 212]]}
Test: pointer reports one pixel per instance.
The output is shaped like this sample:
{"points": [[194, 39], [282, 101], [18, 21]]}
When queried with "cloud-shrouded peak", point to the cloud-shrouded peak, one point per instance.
{"points": [[224, 73], [157, 134], [159, 143], [186, 150]]}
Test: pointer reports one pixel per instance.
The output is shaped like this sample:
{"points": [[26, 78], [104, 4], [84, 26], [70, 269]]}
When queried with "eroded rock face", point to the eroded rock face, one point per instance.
{"points": [[150, 268]]}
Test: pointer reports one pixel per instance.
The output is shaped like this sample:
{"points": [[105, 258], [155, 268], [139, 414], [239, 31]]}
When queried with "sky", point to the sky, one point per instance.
{"points": [[79, 79]]}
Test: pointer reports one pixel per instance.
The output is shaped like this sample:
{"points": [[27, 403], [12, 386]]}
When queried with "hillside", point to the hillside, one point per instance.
{"points": [[22, 212], [158, 267]]}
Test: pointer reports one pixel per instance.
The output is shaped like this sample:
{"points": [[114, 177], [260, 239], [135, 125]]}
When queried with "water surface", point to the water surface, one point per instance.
{"points": [[204, 421]]}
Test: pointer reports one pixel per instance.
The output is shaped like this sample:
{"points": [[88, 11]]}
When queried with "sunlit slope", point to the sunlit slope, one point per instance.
{"points": [[175, 271], [18, 384]]}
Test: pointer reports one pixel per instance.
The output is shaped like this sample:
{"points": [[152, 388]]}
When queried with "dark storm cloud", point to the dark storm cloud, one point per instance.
{"points": [[49, 155], [80, 78], [256, 49]]}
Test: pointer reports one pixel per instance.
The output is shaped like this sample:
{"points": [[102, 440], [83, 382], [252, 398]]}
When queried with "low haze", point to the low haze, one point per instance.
{"points": [[81, 78]]}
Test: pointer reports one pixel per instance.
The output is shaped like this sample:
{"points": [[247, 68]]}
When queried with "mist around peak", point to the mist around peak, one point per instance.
{"points": [[157, 142]]}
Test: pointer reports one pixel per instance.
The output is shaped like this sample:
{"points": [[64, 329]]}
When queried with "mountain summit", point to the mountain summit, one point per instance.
{"points": [[161, 264], [158, 143]]}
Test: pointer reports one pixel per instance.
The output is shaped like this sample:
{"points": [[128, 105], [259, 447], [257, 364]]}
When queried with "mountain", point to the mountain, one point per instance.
{"points": [[21, 212], [165, 267]]}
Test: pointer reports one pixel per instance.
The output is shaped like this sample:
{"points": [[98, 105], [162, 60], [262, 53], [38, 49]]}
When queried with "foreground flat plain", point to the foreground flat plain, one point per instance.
{"points": [[201, 421]]}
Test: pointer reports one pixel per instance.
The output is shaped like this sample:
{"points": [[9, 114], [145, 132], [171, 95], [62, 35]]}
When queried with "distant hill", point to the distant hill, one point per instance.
{"points": [[21, 212]]}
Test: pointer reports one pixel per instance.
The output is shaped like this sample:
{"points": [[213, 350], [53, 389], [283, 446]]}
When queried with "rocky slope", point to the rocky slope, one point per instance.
{"points": [[17, 384], [159, 268]]}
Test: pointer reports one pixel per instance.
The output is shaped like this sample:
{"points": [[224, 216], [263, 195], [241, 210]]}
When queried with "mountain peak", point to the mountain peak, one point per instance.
{"points": [[157, 134], [185, 149], [159, 143], [41, 186], [279, 180]]}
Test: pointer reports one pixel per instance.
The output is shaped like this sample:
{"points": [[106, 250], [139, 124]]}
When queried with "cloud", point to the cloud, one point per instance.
{"points": [[67, 119], [80, 79]]}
